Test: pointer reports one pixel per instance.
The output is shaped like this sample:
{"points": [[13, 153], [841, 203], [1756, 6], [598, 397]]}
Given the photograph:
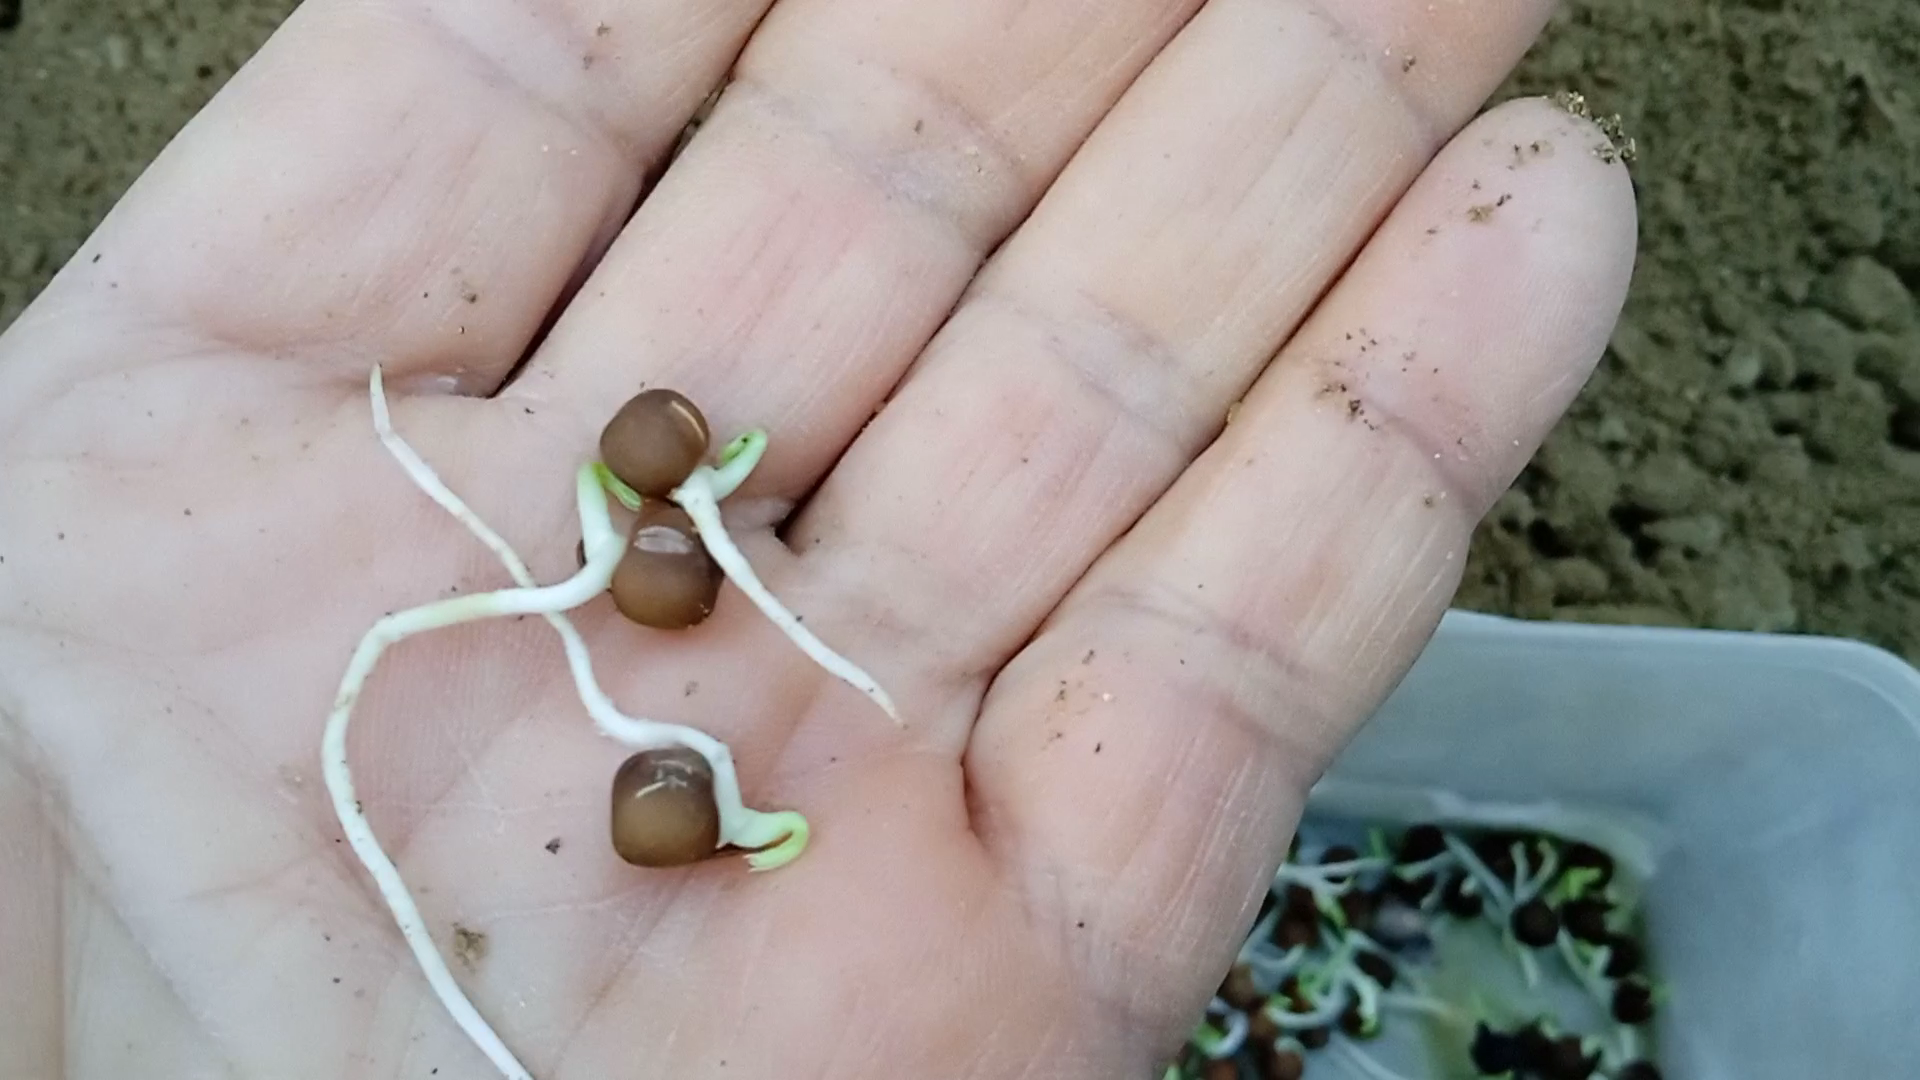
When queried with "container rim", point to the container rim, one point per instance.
{"points": [[1872, 665]]}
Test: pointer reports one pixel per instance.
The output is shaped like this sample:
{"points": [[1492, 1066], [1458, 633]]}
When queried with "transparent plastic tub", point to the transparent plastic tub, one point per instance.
{"points": [[1766, 786]]}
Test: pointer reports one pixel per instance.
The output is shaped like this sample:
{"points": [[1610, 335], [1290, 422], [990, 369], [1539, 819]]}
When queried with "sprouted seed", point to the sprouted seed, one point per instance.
{"points": [[669, 823], [1632, 1002], [654, 448], [1462, 898], [1496, 1052], [1287, 1062], [1623, 956], [1535, 924], [665, 578], [1343, 955], [1586, 919], [654, 442], [1420, 843], [663, 808]]}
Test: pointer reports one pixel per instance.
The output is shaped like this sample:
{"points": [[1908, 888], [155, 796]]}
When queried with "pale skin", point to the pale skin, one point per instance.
{"points": [[1124, 635]]}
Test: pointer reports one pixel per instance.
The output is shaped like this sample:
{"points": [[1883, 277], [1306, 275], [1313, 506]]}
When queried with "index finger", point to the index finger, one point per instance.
{"points": [[404, 181]]}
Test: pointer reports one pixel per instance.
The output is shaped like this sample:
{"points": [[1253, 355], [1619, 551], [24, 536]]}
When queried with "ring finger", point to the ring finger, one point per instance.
{"points": [[1098, 355]]}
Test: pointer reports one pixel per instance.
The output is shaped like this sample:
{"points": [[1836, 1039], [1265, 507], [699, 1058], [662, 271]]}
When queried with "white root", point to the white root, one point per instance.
{"points": [[783, 834], [739, 824], [697, 496], [1233, 1038], [359, 831], [1529, 967], [1496, 892], [1328, 1007]]}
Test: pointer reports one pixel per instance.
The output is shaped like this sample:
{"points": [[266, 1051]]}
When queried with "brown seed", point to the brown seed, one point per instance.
{"points": [[1294, 933], [1238, 989], [1224, 1069], [663, 808], [1359, 908], [1632, 1001], [665, 579], [656, 439], [1285, 1064], [1262, 1028], [1378, 968]]}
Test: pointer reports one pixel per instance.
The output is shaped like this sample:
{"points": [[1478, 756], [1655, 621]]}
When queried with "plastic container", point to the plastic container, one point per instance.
{"points": [[1767, 785]]}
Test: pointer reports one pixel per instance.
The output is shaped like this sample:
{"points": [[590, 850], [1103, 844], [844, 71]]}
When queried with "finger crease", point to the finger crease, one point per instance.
{"points": [[1459, 468], [969, 182], [1116, 360], [1389, 68], [493, 70], [1236, 656]]}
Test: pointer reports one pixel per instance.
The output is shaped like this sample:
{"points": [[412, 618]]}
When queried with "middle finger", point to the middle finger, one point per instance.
{"points": [[851, 178]]}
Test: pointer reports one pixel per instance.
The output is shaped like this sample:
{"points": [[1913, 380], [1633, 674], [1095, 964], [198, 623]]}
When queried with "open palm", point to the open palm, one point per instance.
{"points": [[994, 276]]}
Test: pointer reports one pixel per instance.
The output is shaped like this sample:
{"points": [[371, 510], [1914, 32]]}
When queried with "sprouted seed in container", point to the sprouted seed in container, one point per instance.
{"points": [[1352, 946]]}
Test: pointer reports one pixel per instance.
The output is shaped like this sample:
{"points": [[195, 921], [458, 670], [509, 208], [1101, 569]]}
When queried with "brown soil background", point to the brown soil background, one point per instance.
{"points": [[1748, 456]]}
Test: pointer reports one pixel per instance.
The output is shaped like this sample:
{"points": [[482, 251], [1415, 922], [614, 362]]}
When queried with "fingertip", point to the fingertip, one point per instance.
{"points": [[1571, 167], [1493, 287], [1540, 130], [1565, 240]]}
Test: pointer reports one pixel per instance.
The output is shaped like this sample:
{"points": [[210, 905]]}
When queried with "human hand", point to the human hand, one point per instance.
{"points": [[1124, 637]]}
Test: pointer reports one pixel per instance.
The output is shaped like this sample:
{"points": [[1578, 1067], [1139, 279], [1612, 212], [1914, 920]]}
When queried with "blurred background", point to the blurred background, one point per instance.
{"points": [[1748, 455]]}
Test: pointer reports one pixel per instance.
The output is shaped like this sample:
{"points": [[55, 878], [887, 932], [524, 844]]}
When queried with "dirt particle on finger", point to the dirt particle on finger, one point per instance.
{"points": [[1616, 144], [469, 946], [1573, 103], [1526, 153]]}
